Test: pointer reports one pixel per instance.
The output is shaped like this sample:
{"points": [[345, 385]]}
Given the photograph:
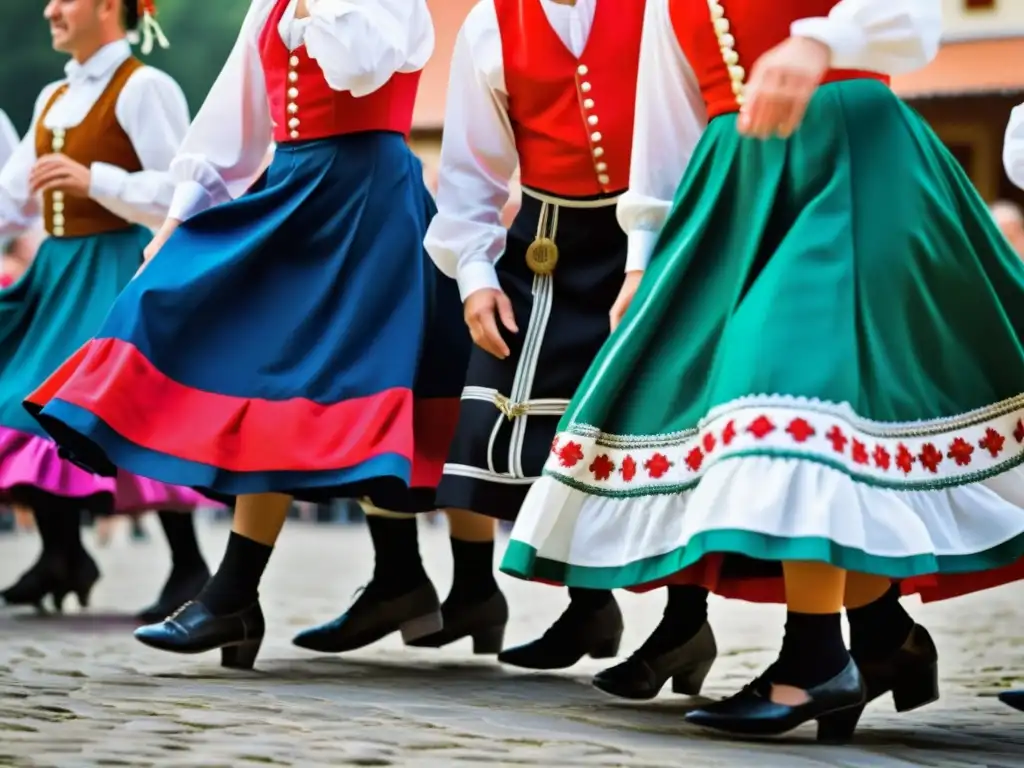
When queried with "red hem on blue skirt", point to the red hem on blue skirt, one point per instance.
{"points": [[113, 380]]}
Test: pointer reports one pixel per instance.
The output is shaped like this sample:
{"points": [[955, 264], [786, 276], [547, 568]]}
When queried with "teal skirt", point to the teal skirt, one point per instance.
{"points": [[823, 362], [57, 305]]}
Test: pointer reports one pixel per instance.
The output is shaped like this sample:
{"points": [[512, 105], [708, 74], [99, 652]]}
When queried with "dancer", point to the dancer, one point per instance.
{"points": [[1012, 223], [293, 342], [98, 153], [760, 396], [547, 85]]}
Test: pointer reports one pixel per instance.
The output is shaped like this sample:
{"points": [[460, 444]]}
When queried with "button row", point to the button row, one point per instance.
{"points": [[57, 196], [727, 44], [600, 167], [293, 94]]}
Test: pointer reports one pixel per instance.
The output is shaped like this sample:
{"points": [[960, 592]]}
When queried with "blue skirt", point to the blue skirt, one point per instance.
{"points": [[297, 340]]}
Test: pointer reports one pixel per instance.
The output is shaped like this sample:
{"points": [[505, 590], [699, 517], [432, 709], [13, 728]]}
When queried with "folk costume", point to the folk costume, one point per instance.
{"points": [[821, 364], [548, 88], [8, 143], [1013, 162], [292, 336], [124, 121]]}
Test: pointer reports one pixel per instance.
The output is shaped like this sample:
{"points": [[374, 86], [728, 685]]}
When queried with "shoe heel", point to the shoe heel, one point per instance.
{"points": [[58, 602], [688, 682], [915, 688], [240, 656], [83, 596], [605, 649], [421, 626], [489, 642], [838, 727]]}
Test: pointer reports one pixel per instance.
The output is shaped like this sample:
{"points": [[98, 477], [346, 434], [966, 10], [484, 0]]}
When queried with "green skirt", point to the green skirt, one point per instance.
{"points": [[823, 363]]}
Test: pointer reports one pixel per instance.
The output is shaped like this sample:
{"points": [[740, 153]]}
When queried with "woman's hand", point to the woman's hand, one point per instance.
{"points": [[780, 86], [166, 230], [625, 297]]}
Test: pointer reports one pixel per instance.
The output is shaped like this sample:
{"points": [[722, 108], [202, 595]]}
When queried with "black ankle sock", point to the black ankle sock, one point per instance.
{"points": [[473, 580], [180, 531], [589, 599], [235, 585], [879, 629], [64, 528], [812, 650], [397, 567]]}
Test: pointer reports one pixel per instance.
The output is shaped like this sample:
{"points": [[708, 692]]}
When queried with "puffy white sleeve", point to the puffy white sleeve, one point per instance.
{"points": [[8, 137], [153, 112], [1013, 147], [478, 159], [890, 36], [19, 208], [224, 147], [670, 119], [361, 44]]}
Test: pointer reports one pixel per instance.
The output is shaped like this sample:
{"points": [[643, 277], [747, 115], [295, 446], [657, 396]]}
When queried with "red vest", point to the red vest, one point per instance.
{"points": [[572, 118], [303, 106], [746, 29]]}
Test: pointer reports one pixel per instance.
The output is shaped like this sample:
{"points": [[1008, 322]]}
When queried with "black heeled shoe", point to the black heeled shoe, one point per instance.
{"points": [[644, 674], [82, 577], [1014, 699], [836, 705], [578, 632], [372, 617], [47, 575], [193, 629], [483, 621], [911, 673], [177, 591]]}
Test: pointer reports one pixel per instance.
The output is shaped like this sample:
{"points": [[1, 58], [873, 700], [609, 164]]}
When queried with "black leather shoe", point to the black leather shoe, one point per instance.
{"points": [[483, 621], [178, 590], [578, 632], [911, 673], [415, 614], [52, 576], [836, 705], [1014, 698], [643, 674], [193, 629]]}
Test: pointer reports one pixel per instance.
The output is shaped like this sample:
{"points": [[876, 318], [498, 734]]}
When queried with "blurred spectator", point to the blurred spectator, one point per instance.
{"points": [[1010, 219]]}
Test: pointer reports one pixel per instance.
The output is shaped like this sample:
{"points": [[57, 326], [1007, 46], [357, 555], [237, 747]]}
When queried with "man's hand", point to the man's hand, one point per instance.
{"points": [[58, 171], [166, 230], [781, 84], [481, 310], [625, 297]]}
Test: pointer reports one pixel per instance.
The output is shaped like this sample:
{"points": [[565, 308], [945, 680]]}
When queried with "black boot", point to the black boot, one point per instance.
{"points": [[189, 572], [1013, 698], [64, 566], [814, 659], [591, 626], [682, 648], [399, 597], [225, 614], [475, 607]]}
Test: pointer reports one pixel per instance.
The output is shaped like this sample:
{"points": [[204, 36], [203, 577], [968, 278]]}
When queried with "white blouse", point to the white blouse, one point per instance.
{"points": [[359, 45], [1013, 147], [890, 36], [478, 151], [8, 138], [151, 109]]}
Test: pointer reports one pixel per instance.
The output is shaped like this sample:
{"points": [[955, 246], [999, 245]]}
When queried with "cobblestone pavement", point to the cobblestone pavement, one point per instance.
{"points": [[79, 691]]}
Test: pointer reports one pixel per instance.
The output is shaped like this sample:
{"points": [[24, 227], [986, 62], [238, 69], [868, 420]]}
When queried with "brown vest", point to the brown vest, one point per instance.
{"points": [[99, 138]]}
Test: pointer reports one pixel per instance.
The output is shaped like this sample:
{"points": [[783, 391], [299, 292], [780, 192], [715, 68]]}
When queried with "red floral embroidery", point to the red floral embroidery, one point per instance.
{"points": [[602, 467], [859, 451], [709, 442], [554, 445], [729, 433], [881, 457], [1018, 433], [760, 427], [657, 465], [570, 454], [992, 442], [800, 430], [904, 458], [960, 451], [694, 459], [628, 468], [837, 438], [930, 457]]}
